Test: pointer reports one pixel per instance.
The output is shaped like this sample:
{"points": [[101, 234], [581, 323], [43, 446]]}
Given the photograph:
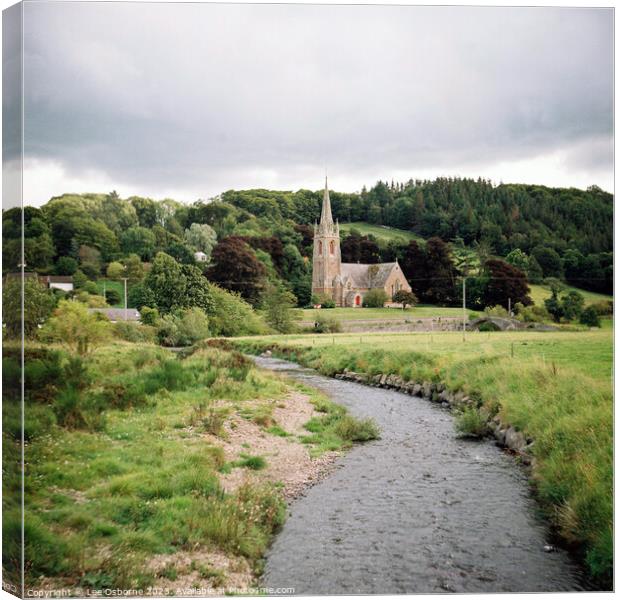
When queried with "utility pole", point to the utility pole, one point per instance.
{"points": [[125, 286], [464, 310]]}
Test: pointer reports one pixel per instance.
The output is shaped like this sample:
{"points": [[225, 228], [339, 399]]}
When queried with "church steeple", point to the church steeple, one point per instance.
{"points": [[326, 254], [326, 211]]}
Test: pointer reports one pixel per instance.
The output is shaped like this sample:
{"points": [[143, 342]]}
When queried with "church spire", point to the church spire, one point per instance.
{"points": [[326, 212]]}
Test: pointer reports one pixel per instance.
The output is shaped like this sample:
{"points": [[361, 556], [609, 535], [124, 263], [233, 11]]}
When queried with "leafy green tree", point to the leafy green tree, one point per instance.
{"points": [[278, 304], [375, 298], [518, 258], [139, 296], [140, 241], [166, 283], [197, 289], [549, 261], [534, 270], [181, 252], [201, 237], [554, 306], [572, 303], [79, 279], [115, 271], [38, 305], [134, 269], [590, 317], [146, 210], [404, 297], [66, 265], [75, 328], [90, 261], [174, 286]]}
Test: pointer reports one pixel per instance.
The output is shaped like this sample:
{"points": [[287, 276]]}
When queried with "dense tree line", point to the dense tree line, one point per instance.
{"points": [[254, 239]]}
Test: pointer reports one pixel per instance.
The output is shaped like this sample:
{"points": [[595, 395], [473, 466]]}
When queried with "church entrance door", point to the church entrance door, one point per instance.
{"points": [[358, 300]]}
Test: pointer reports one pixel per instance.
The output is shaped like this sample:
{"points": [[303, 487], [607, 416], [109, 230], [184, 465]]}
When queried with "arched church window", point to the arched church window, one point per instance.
{"points": [[332, 247], [320, 247]]}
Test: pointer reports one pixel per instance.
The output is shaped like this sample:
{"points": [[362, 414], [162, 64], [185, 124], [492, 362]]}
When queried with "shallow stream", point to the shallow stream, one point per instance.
{"points": [[417, 511]]}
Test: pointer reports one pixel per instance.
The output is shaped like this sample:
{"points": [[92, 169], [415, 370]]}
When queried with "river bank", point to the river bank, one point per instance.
{"points": [[162, 473], [557, 418]]}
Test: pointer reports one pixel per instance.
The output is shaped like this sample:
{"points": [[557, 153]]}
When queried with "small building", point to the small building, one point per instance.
{"points": [[51, 282], [57, 282], [347, 283], [200, 257], [118, 314]]}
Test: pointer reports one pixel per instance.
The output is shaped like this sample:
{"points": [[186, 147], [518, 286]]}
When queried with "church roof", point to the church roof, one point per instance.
{"points": [[367, 276]]}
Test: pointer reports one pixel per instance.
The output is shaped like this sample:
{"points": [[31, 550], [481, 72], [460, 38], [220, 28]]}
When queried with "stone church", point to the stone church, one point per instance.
{"points": [[347, 283]]}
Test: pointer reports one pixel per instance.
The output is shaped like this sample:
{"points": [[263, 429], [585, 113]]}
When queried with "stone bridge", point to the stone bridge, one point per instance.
{"points": [[506, 324]]}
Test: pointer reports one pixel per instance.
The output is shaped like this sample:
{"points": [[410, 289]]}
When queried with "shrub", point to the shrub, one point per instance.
{"points": [[74, 327], [148, 315], [113, 297], [356, 430], [278, 304], [194, 325], [183, 329], [232, 316], [96, 301], [532, 314], [496, 311], [590, 317], [79, 279], [375, 298], [471, 423], [323, 300], [214, 420], [76, 410], [91, 288], [604, 307], [404, 297], [134, 332], [326, 324], [123, 395], [256, 463]]}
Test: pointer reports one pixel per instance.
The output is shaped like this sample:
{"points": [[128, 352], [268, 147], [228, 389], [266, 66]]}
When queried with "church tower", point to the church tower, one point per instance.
{"points": [[326, 253]]}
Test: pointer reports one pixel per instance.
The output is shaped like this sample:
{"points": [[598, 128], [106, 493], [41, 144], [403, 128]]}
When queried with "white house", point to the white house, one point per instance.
{"points": [[200, 257]]}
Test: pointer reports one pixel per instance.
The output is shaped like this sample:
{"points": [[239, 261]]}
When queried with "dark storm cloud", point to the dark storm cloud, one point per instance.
{"points": [[196, 96]]}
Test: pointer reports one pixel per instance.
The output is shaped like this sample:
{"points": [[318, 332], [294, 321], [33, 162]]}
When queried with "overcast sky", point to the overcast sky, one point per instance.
{"points": [[189, 100]]}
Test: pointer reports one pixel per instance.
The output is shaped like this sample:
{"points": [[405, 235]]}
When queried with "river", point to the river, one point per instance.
{"points": [[418, 511]]}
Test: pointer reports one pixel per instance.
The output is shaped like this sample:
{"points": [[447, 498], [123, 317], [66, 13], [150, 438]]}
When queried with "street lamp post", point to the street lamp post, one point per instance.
{"points": [[125, 286]]}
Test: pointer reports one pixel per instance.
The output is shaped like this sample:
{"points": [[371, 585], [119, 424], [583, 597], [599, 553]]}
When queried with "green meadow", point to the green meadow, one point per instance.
{"points": [[556, 387], [124, 461], [383, 233]]}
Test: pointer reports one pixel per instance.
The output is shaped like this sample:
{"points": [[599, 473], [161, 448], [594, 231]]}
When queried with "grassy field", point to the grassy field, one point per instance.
{"points": [[387, 234], [360, 314], [112, 285], [125, 463], [556, 387], [539, 293]]}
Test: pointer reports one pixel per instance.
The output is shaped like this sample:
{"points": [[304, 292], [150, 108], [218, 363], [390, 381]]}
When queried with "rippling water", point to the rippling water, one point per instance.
{"points": [[417, 511]]}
